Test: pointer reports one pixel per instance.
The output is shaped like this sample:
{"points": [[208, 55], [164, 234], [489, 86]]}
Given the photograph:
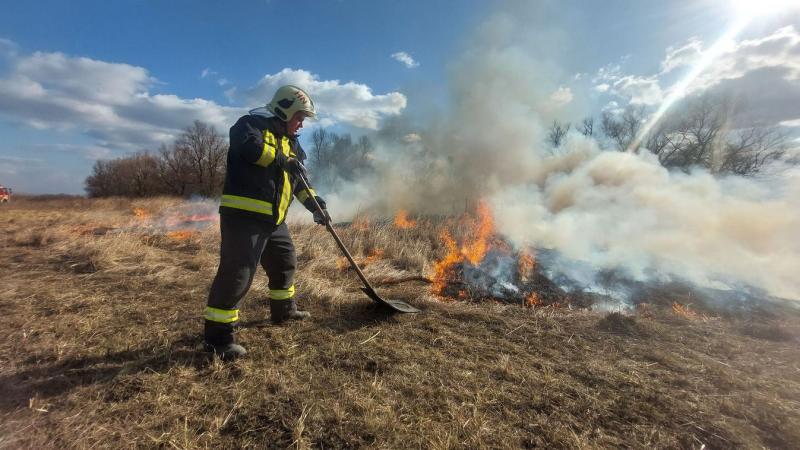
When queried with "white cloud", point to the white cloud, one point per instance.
{"points": [[207, 72], [561, 96], [110, 102], [349, 103], [406, 59], [762, 75], [684, 55], [7, 47], [603, 87]]}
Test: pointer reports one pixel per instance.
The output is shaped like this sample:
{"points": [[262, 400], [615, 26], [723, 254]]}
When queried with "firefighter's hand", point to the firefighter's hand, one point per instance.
{"points": [[296, 168], [321, 217]]}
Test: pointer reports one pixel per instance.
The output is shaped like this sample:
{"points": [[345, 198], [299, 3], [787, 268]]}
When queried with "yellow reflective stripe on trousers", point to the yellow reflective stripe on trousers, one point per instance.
{"points": [[247, 204], [286, 194], [221, 315], [305, 193], [281, 294], [268, 153]]}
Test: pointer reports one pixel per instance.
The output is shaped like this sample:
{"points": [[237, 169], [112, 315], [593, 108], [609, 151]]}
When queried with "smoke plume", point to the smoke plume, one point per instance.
{"points": [[601, 209]]}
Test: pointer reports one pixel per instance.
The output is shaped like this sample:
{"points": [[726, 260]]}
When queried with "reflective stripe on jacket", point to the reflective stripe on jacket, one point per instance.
{"points": [[256, 185]]}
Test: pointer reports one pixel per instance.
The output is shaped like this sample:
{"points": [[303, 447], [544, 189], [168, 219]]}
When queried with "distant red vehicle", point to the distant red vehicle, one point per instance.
{"points": [[5, 194]]}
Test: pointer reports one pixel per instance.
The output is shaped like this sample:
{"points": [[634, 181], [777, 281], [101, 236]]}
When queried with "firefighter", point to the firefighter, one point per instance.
{"points": [[264, 163]]}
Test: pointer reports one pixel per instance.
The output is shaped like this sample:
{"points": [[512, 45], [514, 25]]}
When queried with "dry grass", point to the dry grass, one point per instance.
{"points": [[101, 336]]}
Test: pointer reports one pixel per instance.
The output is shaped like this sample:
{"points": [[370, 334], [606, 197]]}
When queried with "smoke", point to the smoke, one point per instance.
{"points": [[600, 209]]}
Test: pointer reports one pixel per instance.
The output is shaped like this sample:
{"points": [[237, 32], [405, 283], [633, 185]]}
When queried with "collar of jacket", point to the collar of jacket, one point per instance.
{"points": [[279, 128]]}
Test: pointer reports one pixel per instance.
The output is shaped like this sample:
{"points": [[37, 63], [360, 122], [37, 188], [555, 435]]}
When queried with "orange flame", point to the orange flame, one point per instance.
{"points": [[473, 251], [181, 235], [532, 299], [402, 221], [374, 255], [476, 250], [525, 265], [684, 311], [141, 214]]}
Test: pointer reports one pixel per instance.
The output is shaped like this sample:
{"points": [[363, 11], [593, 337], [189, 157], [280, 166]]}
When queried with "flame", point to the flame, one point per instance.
{"points": [[532, 299], [476, 250], [141, 214], [525, 265], [684, 311], [181, 235], [402, 222], [442, 267], [374, 255], [472, 252]]}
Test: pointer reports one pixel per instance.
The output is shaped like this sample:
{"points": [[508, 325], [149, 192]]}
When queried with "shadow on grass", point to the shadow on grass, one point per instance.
{"points": [[339, 318], [46, 380]]}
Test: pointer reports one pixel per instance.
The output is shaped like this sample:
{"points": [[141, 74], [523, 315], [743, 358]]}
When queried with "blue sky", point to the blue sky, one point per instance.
{"points": [[96, 79]]}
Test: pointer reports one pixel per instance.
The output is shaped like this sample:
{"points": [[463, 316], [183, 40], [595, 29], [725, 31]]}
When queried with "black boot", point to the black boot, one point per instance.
{"points": [[283, 310], [219, 340]]}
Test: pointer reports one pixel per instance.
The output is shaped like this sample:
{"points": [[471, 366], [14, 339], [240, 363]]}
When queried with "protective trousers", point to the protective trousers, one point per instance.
{"points": [[247, 242]]}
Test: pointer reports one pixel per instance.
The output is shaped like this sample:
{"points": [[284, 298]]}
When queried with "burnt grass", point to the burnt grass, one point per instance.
{"points": [[100, 347]]}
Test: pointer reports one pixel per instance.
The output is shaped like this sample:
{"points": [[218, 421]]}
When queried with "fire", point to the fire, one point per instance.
{"points": [[374, 255], [684, 311], [472, 252], [141, 214], [181, 235], [476, 250], [441, 268], [525, 265], [532, 299], [402, 221]]}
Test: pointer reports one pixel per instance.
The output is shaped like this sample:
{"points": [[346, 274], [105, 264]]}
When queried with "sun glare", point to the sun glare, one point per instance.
{"points": [[746, 11], [754, 8]]}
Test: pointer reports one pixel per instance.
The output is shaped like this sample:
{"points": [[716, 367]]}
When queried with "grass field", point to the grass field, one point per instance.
{"points": [[100, 347]]}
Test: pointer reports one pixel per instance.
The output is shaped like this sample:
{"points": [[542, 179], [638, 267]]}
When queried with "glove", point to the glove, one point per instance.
{"points": [[295, 167], [321, 217]]}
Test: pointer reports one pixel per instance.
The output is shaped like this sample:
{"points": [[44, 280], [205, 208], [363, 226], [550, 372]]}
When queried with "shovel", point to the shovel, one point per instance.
{"points": [[395, 305]]}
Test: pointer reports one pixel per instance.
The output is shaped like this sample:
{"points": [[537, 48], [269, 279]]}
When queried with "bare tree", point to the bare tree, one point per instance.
{"points": [[748, 150], [587, 127], [132, 176], [622, 129], [700, 133], [174, 168], [205, 151], [557, 134], [321, 143]]}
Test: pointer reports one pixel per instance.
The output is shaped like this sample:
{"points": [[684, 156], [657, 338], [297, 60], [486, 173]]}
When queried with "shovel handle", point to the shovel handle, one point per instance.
{"points": [[336, 236]]}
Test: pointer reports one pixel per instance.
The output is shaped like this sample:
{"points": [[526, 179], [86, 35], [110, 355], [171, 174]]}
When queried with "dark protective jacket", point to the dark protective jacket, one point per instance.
{"points": [[256, 182]]}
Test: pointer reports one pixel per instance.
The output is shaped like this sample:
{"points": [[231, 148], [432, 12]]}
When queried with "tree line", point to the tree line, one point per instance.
{"points": [[700, 132], [193, 164]]}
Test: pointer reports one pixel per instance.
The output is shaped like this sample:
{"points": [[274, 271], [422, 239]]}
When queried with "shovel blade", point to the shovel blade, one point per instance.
{"points": [[395, 305]]}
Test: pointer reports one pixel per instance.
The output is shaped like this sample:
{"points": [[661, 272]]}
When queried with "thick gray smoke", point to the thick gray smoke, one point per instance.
{"points": [[605, 209]]}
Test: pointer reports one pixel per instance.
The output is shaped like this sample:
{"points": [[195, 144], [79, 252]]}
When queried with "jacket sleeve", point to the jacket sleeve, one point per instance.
{"points": [[304, 196], [247, 142]]}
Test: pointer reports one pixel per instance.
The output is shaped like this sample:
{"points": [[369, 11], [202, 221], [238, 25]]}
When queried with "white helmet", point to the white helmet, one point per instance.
{"points": [[288, 100]]}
